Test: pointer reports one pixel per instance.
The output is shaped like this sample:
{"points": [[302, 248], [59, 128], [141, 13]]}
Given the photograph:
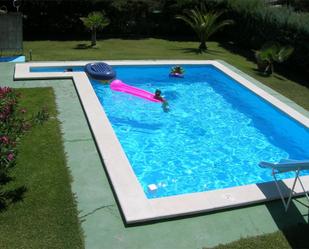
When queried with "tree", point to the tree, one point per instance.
{"points": [[204, 23], [95, 21], [272, 52]]}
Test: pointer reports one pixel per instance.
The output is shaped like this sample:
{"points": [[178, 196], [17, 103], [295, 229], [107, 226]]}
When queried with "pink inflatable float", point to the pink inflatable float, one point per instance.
{"points": [[118, 85]]}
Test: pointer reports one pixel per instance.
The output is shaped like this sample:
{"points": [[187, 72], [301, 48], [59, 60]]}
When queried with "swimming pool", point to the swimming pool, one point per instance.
{"points": [[214, 99], [214, 136]]}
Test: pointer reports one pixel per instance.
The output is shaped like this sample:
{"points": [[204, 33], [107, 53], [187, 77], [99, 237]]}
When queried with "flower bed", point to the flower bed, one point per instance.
{"points": [[13, 124]]}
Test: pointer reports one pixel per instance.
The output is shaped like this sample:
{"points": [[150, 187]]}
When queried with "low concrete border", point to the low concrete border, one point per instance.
{"points": [[134, 204]]}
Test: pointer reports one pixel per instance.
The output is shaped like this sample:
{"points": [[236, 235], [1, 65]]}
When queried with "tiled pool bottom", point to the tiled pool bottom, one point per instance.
{"points": [[132, 200]]}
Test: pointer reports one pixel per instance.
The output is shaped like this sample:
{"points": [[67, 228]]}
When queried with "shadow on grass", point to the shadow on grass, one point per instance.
{"points": [[279, 78], [83, 46], [197, 51], [173, 38], [294, 75], [292, 223], [189, 50], [262, 74], [233, 48], [10, 197], [4, 179]]}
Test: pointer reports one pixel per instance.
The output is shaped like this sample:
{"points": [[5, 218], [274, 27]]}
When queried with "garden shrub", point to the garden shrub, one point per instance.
{"points": [[14, 122], [270, 53], [258, 23]]}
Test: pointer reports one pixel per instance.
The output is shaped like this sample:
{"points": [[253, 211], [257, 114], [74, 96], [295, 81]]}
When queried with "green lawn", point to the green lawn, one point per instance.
{"points": [[45, 214], [286, 83]]}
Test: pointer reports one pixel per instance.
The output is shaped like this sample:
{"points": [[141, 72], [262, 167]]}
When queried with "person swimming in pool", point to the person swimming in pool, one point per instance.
{"points": [[165, 105], [158, 95]]}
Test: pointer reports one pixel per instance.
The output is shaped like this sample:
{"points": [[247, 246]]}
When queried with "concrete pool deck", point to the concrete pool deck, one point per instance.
{"points": [[101, 220]]}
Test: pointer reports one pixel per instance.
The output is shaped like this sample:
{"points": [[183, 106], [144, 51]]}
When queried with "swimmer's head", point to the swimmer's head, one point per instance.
{"points": [[158, 92]]}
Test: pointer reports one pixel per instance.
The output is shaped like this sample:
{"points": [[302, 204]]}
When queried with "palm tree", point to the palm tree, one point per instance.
{"points": [[95, 21], [272, 52], [204, 23]]}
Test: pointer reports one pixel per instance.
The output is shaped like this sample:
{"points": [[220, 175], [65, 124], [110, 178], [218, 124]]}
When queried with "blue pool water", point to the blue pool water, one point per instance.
{"points": [[214, 136], [55, 69], [17, 58]]}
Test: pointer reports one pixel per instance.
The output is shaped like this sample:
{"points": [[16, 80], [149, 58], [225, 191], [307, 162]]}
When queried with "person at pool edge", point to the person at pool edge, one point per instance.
{"points": [[158, 96]]}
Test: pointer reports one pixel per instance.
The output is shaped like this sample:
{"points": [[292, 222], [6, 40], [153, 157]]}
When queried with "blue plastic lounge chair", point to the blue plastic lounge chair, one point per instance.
{"points": [[286, 166]]}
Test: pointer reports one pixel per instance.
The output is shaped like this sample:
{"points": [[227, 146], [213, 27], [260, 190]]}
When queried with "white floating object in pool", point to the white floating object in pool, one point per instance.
{"points": [[152, 187], [161, 185]]}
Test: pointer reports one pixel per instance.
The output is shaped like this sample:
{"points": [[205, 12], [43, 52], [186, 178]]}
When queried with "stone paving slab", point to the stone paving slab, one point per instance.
{"points": [[86, 165]]}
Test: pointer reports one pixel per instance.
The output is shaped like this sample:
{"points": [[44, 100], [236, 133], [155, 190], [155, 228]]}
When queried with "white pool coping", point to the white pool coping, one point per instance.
{"points": [[133, 202]]}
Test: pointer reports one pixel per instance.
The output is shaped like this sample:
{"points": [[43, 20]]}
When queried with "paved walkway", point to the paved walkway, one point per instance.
{"points": [[98, 211]]}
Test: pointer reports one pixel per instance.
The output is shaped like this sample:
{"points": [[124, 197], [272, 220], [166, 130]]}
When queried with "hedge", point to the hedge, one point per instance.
{"points": [[259, 23], [255, 21]]}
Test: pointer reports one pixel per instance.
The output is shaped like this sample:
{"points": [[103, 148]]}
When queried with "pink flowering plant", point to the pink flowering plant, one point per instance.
{"points": [[13, 124], [9, 124]]}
